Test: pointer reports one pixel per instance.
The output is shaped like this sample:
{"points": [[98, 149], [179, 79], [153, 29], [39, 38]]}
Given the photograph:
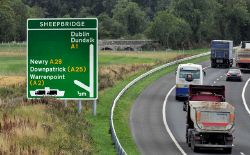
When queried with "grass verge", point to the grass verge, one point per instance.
{"points": [[122, 111], [100, 124], [43, 127]]}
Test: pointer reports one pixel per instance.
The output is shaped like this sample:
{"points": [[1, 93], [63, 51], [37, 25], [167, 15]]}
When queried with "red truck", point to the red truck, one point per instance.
{"points": [[210, 120]]}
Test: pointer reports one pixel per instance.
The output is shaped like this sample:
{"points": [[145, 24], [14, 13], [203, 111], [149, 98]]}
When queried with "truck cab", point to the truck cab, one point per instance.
{"points": [[221, 53]]}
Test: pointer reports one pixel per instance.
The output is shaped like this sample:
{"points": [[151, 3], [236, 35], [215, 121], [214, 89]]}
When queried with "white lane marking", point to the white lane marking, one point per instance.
{"points": [[165, 121], [242, 153], [243, 96], [218, 79], [214, 81], [221, 76], [166, 124]]}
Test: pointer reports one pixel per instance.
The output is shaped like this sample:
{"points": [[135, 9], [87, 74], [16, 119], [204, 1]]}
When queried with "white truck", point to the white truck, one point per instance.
{"points": [[242, 57], [210, 120]]}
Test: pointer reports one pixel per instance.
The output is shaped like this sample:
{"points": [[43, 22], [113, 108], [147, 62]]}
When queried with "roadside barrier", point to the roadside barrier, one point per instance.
{"points": [[120, 150]]}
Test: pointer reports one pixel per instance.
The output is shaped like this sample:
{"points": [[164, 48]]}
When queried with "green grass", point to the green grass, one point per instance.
{"points": [[13, 65], [122, 111], [146, 57], [12, 59], [107, 60], [12, 47]]}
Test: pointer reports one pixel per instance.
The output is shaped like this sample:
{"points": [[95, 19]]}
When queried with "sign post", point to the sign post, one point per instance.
{"points": [[79, 106], [65, 103], [62, 58], [94, 108]]}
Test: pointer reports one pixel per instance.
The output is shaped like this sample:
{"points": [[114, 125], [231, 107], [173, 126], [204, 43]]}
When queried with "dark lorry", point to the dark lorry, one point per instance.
{"points": [[210, 120], [221, 53]]}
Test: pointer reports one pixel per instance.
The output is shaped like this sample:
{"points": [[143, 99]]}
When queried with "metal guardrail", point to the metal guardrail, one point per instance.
{"points": [[120, 150]]}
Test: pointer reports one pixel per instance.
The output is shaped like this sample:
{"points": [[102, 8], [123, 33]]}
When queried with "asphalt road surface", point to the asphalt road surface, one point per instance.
{"points": [[150, 133]]}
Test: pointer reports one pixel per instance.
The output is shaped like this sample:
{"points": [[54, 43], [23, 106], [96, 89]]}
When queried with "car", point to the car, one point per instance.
{"points": [[234, 74]]}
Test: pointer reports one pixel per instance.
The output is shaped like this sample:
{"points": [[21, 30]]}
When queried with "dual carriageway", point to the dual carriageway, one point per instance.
{"points": [[157, 120]]}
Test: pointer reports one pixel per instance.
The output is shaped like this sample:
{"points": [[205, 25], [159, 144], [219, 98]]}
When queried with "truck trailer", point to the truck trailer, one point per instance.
{"points": [[210, 120], [221, 53], [242, 57]]}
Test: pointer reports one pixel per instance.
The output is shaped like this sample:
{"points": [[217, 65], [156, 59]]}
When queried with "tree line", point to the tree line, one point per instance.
{"points": [[172, 23]]}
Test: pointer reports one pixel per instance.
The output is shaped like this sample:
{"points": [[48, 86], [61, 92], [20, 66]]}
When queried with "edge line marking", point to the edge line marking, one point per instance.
{"points": [[166, 124], [243, 96], [165, 121]]}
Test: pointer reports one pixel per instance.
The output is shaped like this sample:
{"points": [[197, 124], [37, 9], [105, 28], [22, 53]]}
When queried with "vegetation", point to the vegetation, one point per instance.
{"points": [[169, 30], [178, 23], [40, 126], [12, 59], [43, 127], [12, 65]]}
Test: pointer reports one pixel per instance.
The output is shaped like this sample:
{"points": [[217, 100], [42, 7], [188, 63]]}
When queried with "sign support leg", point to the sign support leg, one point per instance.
{"points": [[65, 103], [79, 107], [94, 108]]}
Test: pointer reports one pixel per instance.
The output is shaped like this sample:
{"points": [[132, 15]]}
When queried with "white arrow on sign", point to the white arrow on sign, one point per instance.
{"points": [[89, 88]]}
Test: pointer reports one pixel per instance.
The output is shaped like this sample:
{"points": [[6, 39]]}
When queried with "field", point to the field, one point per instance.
{"points": [[46, 126], [12, 59], [145, 57]]}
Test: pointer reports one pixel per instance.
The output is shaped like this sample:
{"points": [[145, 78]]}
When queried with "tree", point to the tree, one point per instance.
{"points": [[110, 28], [163, 5], [169, 30], [35, 12], [7, 26], [84, 12], [131, 16], [109, 6], [208, 28], [196, 13], [21, 15], [201, 20], [233, 19]]}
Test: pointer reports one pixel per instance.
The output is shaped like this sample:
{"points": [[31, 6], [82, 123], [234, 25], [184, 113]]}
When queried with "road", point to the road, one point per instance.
{"points": [[149, 130]]}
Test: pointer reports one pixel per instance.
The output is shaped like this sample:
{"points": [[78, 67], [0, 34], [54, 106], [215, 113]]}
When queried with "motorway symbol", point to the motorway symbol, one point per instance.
{"points": [[47, 92]]}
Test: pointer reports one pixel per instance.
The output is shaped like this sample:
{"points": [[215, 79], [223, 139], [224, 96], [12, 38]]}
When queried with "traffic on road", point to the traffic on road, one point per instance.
{"points": [[206, 117]]}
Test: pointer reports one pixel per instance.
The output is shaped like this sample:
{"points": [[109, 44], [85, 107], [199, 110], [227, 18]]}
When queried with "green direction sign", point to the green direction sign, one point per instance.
{"points": [[62, 58]]}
